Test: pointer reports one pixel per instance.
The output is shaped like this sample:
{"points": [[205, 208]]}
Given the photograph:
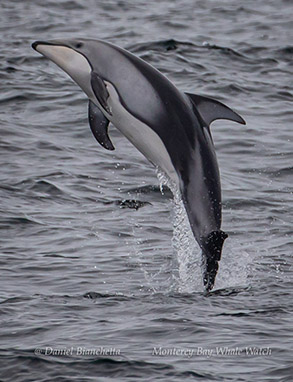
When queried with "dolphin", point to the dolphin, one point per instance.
{"points": [[169, 127]]}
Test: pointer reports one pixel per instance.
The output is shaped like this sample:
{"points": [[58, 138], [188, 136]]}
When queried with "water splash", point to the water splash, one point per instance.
{"points": [[158, 275], [183, 242], [183, 272], [235, 267]]}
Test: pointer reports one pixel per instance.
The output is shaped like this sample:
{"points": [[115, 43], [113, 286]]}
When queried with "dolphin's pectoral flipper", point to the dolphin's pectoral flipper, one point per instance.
{"points": [[210, 109], [212, 248], [100, 91], [99, 126]]}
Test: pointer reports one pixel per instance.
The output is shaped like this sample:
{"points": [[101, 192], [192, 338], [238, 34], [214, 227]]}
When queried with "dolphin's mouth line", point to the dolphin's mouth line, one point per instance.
{"points": [[36, 43]]}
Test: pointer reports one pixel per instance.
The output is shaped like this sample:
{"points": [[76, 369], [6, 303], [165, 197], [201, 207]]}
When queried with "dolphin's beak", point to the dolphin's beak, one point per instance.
{"points": [[52, 50], [37, 43]]}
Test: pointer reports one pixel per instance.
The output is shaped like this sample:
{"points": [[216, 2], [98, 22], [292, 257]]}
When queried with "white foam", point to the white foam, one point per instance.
{"points": [[184, 245], [235, 266]]}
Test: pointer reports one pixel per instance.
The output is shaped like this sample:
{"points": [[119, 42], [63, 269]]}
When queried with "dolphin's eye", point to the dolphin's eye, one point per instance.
{"points": [[78, 45]]}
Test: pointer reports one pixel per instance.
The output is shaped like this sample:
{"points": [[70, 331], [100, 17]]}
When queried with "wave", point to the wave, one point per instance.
{"points": [[172, 44]]}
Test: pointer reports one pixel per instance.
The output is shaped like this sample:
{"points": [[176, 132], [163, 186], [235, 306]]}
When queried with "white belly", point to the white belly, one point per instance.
{"points": [[140, 135]]}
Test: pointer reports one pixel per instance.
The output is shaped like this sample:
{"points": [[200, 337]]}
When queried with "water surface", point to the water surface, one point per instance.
{"points": [[87, 255]]}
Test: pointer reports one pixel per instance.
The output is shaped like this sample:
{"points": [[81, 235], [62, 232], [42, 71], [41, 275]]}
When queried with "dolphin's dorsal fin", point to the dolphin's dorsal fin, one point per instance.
{"points": [[99, 126], [210, 109]]}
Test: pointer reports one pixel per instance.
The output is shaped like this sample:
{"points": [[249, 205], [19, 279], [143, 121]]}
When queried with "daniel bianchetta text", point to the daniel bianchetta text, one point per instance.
{"points": [[77, 351], [249, 351]]}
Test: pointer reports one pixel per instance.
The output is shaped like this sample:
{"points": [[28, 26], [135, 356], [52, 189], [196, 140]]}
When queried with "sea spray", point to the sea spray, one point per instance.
{"points": [[183, 242], [235, 266]]}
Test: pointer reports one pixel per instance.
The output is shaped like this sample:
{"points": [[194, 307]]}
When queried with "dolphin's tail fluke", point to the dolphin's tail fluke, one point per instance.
{"points": [[211, 250]]}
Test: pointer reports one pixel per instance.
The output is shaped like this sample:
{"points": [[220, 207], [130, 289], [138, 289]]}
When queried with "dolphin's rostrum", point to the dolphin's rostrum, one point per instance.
{"points": [[171, 128]]}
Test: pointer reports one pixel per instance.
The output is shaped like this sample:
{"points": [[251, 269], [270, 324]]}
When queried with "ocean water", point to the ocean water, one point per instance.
{"points": [[100, 277]]}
